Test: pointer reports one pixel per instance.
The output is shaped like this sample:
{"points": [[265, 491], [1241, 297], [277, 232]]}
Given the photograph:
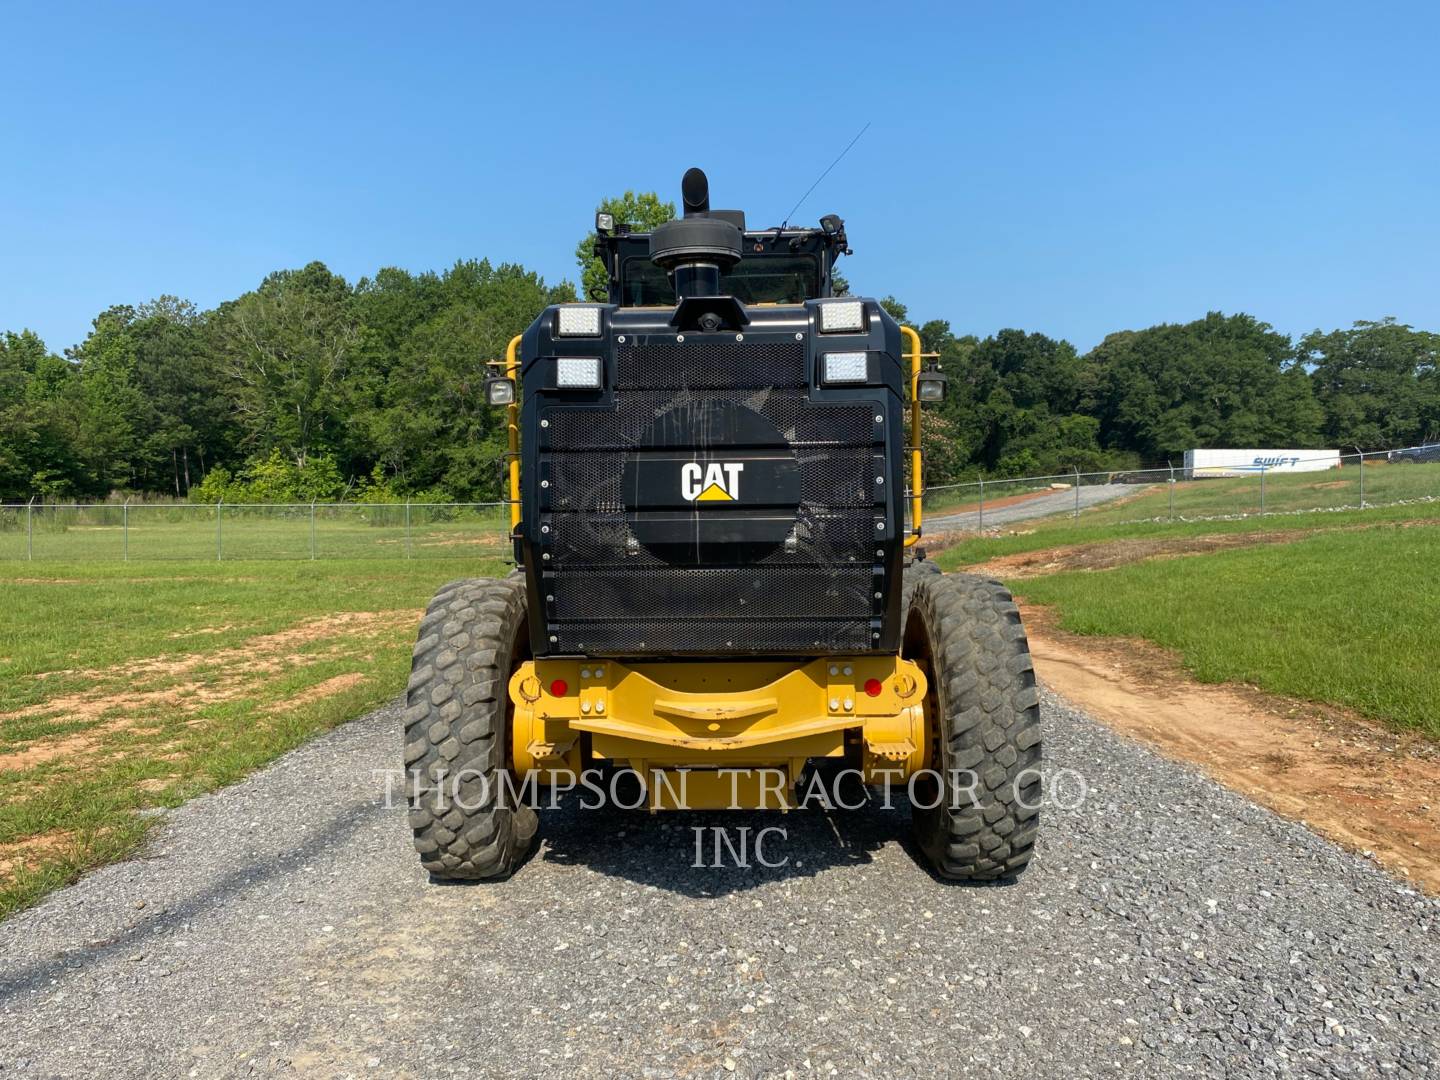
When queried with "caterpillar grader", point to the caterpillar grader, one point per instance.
{"points": [[717, 584]]}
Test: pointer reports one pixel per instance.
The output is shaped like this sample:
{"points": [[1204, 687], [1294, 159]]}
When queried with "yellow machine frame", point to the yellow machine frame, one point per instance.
{"points": [[720, 734], [722, 723]]}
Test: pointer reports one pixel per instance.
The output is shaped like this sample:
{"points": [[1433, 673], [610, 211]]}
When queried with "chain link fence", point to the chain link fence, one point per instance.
{"points": [[1359, 481], [85, 532]]}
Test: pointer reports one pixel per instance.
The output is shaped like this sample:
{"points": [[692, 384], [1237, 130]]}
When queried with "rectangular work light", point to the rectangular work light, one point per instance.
{"points": [[579, 320], [845, 367], [840, 316], [577, 372]]}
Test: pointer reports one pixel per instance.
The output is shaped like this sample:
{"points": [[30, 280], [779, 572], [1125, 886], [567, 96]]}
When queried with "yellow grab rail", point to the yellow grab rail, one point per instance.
{"points": [[512, 420], [917, 482]]}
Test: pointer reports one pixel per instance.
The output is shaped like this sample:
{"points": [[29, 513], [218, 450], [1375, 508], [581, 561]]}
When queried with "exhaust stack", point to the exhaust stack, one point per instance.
{"points": [[695, 249]]}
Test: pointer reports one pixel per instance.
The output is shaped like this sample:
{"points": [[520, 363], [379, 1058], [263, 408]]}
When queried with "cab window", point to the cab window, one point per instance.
{"points": [[762, 279]]}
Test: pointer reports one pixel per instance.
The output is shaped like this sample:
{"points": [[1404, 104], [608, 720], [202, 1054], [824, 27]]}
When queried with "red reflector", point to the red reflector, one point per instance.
{"points": [[559, 688], [873, 687]]}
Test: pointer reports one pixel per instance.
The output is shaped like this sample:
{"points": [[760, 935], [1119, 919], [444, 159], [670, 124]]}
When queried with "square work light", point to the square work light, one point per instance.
{"points": [[931, 386], [577, 372], [500, 390]]}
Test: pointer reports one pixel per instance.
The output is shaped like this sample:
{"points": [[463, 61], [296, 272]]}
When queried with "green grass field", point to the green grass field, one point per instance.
{"points": [[1284, 493], [1347, 614], [163, 532], [125, 686], [131, 685], [1063, 530], [1385, 484]]}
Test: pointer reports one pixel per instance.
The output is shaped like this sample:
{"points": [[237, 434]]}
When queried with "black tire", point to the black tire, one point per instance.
{"points": [[985, 718], [914, 571], [457, 731]]}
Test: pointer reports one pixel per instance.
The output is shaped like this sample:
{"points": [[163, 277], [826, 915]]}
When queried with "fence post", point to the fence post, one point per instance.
{"points": [[407, 529], [312, 530], [1262, 490], [1172, 491], [1077, 491], [1362, 479], [30, 530], [219, 530], [125, 530], [982, 504]]}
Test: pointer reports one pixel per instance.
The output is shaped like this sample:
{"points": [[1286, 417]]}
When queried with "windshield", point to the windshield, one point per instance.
{"points": [[766, 279]]}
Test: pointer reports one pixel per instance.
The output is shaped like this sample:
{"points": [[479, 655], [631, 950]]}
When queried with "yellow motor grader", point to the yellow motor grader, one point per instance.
{"points": [[717, 586]]}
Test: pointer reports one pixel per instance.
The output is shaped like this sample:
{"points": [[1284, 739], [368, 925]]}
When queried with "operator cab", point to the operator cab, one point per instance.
{"points": [[776, 266]]}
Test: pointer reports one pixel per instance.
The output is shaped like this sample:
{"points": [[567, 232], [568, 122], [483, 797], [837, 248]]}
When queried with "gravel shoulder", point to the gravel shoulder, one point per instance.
{"points": [[1167, 926]]}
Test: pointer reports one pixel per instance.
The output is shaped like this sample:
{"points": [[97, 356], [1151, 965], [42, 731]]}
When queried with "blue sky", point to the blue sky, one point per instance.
{"points": [[1073, 169]]}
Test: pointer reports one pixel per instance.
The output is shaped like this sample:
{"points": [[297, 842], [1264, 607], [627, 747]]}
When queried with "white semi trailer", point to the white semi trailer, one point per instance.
{"points": [[1203, 463]]}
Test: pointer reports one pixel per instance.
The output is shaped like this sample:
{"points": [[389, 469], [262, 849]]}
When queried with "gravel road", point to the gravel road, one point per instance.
{"points": [[282, 927], [1054, 503]]}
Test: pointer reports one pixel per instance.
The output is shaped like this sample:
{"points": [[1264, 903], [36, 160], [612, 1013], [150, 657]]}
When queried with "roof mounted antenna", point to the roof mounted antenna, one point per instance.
{"points": [[824, 174]]}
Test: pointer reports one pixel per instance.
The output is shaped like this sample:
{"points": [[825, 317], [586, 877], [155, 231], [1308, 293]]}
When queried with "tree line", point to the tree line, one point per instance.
{"points": [[311, 387]]}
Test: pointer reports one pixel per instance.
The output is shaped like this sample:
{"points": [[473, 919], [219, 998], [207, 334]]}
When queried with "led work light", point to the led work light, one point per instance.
{"points": [[840, 316], [845, 367], [577, 372], [579, 320]]}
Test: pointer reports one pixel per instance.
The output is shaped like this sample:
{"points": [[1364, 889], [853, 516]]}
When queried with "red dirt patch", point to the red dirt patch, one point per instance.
{"points": [[1355, 782], [328, 688], [188, 682], [31, 852], [1108, 554]]}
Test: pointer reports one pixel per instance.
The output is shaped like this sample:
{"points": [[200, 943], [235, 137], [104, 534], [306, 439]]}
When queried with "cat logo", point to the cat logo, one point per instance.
{"points": [[716, 482]]}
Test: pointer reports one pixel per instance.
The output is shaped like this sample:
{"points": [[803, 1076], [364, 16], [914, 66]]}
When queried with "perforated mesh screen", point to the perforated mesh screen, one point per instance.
{"points": [[801, 423], [712, 593], [588, 482], [712, 365], [712, 637], [607, 594]]}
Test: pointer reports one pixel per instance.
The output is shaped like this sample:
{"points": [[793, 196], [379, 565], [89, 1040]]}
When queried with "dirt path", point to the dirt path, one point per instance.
{"points": [[1359, 784], [1108, 554]]}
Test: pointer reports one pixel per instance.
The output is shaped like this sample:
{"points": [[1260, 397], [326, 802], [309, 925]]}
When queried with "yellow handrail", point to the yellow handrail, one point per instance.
{"points": [[512, 419], [917, 482]]}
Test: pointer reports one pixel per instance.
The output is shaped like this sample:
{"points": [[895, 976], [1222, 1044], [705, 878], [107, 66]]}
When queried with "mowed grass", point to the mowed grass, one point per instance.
{"points": [[1344, 616], [125, 687], [1061, 530], [161, 532], [1284, 493]]}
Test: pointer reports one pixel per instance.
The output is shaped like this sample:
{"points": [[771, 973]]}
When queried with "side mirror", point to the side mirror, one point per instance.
{"points": [[500, 390], [931, 386]]}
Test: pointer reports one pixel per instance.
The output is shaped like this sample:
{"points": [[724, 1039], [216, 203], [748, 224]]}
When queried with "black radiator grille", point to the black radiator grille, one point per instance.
{"points": [[589, 483], [726, 365], [740, 593], [607, 594], [801, 423], [715, 637], [822, 538]]}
